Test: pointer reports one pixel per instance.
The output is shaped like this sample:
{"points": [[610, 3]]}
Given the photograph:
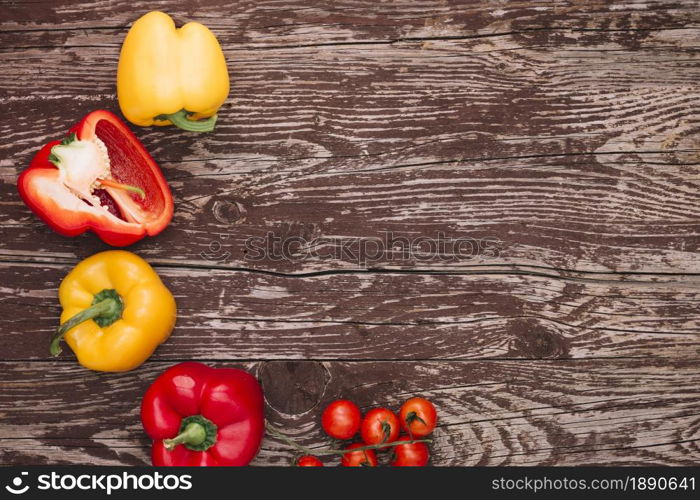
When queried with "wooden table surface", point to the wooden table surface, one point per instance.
{"points": [[558, 142]]}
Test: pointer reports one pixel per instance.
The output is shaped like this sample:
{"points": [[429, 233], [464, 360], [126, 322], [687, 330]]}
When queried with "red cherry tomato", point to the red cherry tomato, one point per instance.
{"points": [[361, 458], [309, 461], [341, 419], [410, 454], [418, 417], [379, 426]]}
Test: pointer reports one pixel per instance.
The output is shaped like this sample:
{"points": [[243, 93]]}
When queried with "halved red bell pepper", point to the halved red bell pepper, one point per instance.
{"points": [[99, 178], [198, 415]]}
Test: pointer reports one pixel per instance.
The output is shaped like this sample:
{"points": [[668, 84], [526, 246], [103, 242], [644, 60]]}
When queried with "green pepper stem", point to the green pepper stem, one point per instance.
{"points": [[180, 120], [327, 451], [106, 308], [193, 435], [196, 433]]}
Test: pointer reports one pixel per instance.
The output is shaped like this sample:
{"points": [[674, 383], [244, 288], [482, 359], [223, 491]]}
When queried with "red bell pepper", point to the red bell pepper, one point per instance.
{"points": [[99, 178], [197, 415]]}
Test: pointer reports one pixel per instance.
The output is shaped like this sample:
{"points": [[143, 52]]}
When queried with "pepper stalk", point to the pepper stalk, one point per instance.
{"points": [[181, 120], [107, 307], [197, 433]]}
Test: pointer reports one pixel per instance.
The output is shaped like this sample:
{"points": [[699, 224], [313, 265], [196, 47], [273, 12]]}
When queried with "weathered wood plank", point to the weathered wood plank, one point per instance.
{"points": [[449, 99], [604, 412], [296, 22], [585, 158], [555, 216], [242, 315]]}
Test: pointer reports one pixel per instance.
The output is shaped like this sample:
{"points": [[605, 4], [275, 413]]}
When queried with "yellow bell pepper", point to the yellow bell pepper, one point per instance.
{"points": [[173, 76], [116, 311]]}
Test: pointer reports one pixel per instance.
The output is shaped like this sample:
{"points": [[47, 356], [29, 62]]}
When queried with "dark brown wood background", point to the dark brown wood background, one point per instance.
{"points": [[566, 134]]}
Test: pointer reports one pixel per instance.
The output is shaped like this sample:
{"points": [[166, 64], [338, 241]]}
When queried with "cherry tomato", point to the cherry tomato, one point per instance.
{"points": [[418, 417], [341, 419], [361, 458], [309, 461], [410, 454], [379, 426]]}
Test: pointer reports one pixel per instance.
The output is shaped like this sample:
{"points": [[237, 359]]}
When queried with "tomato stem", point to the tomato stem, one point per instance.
{"points": [[327, 451], [414, 416]]}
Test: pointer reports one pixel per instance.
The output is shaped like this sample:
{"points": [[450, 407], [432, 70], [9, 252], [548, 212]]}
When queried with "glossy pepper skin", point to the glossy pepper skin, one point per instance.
{"points": [[121, 201], [168, 75], [202, 416], [116, 311]]}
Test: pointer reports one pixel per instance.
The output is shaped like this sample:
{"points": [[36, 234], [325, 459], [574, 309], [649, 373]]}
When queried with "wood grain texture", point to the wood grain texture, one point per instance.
{"points": [[575, 158], [242, 315], [491, 413], [266, 22], [560, 138]]}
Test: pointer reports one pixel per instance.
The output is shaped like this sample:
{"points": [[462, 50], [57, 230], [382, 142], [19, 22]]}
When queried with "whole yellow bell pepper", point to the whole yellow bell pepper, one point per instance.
{"points": [[173, 76], [116, 311]]}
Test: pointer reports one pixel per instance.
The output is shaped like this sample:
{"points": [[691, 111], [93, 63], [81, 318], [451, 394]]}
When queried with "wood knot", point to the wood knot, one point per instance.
{"points": [[293, 387], [534, 339], [227, 212]]}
